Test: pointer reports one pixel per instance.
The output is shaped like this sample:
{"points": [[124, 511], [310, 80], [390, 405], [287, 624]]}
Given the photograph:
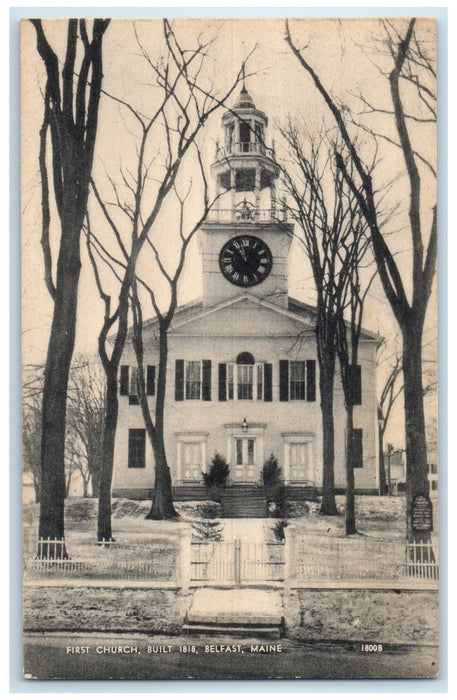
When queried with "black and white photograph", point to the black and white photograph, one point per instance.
{"points": [[229, 348]]}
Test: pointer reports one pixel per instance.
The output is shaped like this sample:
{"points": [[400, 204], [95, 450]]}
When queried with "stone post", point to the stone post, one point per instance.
{"points": [[290, 557], [185, 558]]}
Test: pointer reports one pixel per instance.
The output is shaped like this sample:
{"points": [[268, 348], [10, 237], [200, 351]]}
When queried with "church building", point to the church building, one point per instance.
{"points": [[242, 377]]}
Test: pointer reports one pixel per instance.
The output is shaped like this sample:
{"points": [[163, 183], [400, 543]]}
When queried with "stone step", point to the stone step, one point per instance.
{"points": [[245, 508], [247, 612]]}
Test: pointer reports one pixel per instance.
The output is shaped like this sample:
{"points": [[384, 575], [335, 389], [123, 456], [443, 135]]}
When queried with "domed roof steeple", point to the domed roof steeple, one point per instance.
{"points": [[245, 100]]}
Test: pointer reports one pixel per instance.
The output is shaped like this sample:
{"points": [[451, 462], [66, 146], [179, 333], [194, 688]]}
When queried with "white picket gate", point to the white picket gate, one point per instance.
{"points": [[237, 562]]}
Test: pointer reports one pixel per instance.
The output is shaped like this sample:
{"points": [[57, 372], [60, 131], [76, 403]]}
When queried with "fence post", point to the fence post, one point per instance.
{"points": [[290, 557], [185, 556], [237, 554]]}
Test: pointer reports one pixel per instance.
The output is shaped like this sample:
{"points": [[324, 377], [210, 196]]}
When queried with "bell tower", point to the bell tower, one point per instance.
{"points": [[246, 238]]}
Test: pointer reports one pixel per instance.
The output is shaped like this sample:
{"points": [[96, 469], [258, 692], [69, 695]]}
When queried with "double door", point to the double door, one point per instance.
{"points": [[245, 469]]}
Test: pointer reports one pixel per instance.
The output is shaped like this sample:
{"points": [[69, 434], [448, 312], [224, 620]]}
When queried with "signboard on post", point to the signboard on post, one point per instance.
{"points": [[422, 514]]}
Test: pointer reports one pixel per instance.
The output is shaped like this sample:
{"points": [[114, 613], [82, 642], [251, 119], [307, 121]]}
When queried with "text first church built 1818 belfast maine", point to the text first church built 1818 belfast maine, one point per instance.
{"points": [[242, 377]]}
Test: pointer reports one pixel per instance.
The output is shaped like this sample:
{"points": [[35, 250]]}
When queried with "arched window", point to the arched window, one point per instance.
{"points": [[245, 358]]}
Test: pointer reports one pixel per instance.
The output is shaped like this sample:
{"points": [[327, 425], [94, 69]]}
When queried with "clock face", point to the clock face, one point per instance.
{"points": [[245, 261]]}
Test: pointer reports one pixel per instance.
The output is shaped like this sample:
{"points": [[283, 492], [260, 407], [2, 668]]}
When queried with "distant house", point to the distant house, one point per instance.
{"points": [[243, 376], [397, 461]]}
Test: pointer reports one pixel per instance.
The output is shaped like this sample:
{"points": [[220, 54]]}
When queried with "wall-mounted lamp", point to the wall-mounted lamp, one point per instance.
{"points": [[244, 426]]}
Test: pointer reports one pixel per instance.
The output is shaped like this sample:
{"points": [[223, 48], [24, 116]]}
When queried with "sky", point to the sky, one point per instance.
{"points": [[347, 55]]}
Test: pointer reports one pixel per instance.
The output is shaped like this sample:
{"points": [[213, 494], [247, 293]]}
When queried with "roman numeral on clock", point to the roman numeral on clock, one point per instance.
{"points": [[245, 260]]}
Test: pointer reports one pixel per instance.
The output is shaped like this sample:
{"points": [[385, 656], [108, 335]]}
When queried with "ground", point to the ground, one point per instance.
{"points": [[323, 626], [383, 518]]}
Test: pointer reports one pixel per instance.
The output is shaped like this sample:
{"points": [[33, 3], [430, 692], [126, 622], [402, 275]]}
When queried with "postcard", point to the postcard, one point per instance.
{"points": [[229, 354]]}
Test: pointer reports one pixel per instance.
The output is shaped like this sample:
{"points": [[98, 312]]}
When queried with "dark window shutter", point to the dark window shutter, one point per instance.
{"points": [[354, 373], [137, 448], [283, 380], [124, 381], [357, 448], [267, 382], [206, 380], [222, 382], [179, 380], [310, 380], [150, 380]]}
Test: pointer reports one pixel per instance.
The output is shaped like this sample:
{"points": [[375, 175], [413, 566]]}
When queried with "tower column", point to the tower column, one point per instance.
{"points": [[218, 194], [233, 192], [273, 199], [236, 137], [257, 190]]}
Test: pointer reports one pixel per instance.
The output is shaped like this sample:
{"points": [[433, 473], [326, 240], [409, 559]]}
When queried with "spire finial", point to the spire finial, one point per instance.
{"points": [[244, 77]]}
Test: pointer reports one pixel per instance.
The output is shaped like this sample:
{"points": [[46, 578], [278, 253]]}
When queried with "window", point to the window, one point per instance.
{"points": [[128, 382], [244, 451], [133, 387], [193, 379], [245, 382], [298, 461], [297, 381], [299, 458], [258, 132], [137, 448], [245, 135]]}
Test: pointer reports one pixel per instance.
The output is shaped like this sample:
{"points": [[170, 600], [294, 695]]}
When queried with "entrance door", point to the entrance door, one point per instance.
{"points": [[299, 462], [191, 461], [245, 470]]}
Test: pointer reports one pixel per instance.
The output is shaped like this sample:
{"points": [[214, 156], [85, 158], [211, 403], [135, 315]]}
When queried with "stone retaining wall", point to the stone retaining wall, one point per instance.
{"points": [[104, 609], [378, 616]]}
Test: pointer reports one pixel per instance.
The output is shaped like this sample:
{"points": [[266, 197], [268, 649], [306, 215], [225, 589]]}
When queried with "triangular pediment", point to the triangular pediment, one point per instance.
{"points": [[243, 315]]}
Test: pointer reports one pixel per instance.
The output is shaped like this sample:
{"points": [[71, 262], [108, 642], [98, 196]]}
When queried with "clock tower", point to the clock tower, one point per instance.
{"points": [[246, 238]]}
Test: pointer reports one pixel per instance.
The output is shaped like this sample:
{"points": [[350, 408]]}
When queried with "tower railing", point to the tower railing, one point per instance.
{"points": [[225, 216], [243, 147]]}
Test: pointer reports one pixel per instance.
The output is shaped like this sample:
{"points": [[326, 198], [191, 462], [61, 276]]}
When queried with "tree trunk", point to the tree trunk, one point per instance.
{"points": [[351, 528], [104, 531], [416, 448], [37, 489], [381, 464], [328, 505], [162, 501], [95, 480], [60, 351]]}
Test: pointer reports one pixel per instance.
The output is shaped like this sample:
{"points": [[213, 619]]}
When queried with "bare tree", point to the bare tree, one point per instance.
{"points": [[322, 221], [182, 109], [85, 419], [32, 393], [69, 129], [391, 390], [411, 81], [162, 505], [350, 300], [332, 235]]}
